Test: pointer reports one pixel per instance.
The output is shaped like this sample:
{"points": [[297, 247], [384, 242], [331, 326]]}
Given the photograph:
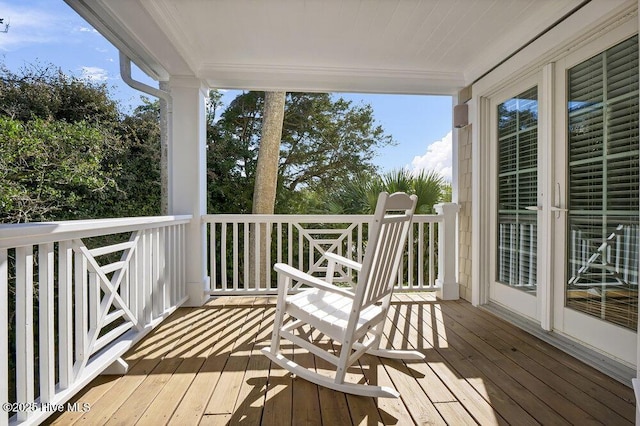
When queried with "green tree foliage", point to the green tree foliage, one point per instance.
{"points": [[139, 186], [48, 169], [68, 153], [44, 91], [325, 142]]}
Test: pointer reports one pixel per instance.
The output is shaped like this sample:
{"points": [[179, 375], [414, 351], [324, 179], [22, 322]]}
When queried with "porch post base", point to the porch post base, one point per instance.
{"points": [[447, 291], [197, 293], [118, 368]]}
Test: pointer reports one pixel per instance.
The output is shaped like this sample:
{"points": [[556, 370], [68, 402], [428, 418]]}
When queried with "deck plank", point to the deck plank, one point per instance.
{"points": [[473, 402], [508, 397], [194, 402], [226, 391], [540, 366], [552, 397], [204, 366], [611, 392], [252, 392], [306, 399], [334, 408], [142, 360], [192, 357]]}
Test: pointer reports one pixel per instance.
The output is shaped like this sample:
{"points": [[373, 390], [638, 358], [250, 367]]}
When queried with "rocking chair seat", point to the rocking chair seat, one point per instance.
{"points": [[330, 312]]}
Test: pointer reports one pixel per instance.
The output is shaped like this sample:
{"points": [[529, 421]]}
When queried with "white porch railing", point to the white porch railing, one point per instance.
{"points": [[302, 240], [80, 294]]}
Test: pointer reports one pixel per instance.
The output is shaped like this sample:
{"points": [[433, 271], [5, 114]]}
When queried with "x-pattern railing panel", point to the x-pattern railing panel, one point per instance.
{"points": [[105, 296]]}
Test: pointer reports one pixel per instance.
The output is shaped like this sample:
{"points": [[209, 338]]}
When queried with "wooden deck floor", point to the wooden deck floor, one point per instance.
{"points": [[204, 366]]}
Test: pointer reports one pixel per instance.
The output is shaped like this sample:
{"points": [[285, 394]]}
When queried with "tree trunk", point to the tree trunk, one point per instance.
{"points": [[264, 192]]}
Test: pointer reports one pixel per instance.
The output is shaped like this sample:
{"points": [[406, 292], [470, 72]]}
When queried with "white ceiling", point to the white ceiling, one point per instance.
{"points": [[383, 46]]}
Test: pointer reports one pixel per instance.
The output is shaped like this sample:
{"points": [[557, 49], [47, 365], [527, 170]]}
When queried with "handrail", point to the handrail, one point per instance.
{"points": [[23, 234], [308, 218]]}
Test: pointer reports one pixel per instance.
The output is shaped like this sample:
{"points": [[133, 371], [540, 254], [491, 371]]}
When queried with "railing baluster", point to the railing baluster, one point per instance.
{"points": [[140, 278], [124, 286], [94, 302], [46, 321], [133, 272], [420, 255], [147, 278], [162, 271], [65, 306], [223, 256], [235, 255], [81, 313], [410, 260], [213, 256], [183, 259], [267, 266], [300, 250], [157, 285], [246, 278], [256, 256], [360, 243], [171, 252], [310, 253], [290, 244], [24, 329], [432, 276]]}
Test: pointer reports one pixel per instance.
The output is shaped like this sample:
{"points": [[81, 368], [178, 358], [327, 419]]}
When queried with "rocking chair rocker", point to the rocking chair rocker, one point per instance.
{"points": [[354, 319]]}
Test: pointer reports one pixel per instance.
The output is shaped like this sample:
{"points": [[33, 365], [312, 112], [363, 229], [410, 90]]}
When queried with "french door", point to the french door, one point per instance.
{"points": [[564, 206], [596, 283], [515, 213]]}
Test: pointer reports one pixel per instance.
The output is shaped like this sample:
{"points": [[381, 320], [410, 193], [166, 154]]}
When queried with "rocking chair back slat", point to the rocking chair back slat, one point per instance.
{"points": [[384, 252]]}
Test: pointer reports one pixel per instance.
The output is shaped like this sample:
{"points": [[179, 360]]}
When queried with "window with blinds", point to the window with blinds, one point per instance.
{"points": [[517, 189], [603, 172]]}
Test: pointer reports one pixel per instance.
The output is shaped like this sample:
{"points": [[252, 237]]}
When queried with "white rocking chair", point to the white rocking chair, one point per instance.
{"points": [[354, 319]]}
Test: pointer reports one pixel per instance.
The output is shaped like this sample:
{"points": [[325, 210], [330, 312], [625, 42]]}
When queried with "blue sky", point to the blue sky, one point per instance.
{"points": [[47, 31]]}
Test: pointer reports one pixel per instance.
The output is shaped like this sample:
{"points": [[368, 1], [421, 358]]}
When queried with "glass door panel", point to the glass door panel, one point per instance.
{"points": [[517, 191], [603, 196]]}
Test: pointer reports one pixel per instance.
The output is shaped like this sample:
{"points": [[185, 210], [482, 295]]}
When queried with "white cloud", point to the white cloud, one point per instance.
{"points": [[40, 23], [95, 74], [438, 157]]}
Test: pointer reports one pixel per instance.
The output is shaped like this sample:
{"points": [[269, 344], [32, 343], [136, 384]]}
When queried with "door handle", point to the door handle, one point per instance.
{"points": [[534, 208], [556, 208]]}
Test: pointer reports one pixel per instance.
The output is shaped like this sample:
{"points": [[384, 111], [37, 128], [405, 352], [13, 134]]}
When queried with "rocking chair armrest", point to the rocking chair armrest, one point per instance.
{"points": [[343, 261], [297, 275]]}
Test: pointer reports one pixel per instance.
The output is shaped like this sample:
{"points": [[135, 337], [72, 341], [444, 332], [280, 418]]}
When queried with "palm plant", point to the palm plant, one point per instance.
{"points": [[359, 195]]}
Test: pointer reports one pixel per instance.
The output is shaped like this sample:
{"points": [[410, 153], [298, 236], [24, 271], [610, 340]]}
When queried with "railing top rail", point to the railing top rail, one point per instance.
{"points": [[306, 218], [22, 234]]}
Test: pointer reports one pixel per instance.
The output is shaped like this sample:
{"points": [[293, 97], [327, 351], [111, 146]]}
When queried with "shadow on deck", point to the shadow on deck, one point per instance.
{"points": [[204, 366]]}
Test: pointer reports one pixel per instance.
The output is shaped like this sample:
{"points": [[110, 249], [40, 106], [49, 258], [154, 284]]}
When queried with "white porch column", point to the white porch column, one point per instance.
{"points": [[187, 177], [447, 242]]}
